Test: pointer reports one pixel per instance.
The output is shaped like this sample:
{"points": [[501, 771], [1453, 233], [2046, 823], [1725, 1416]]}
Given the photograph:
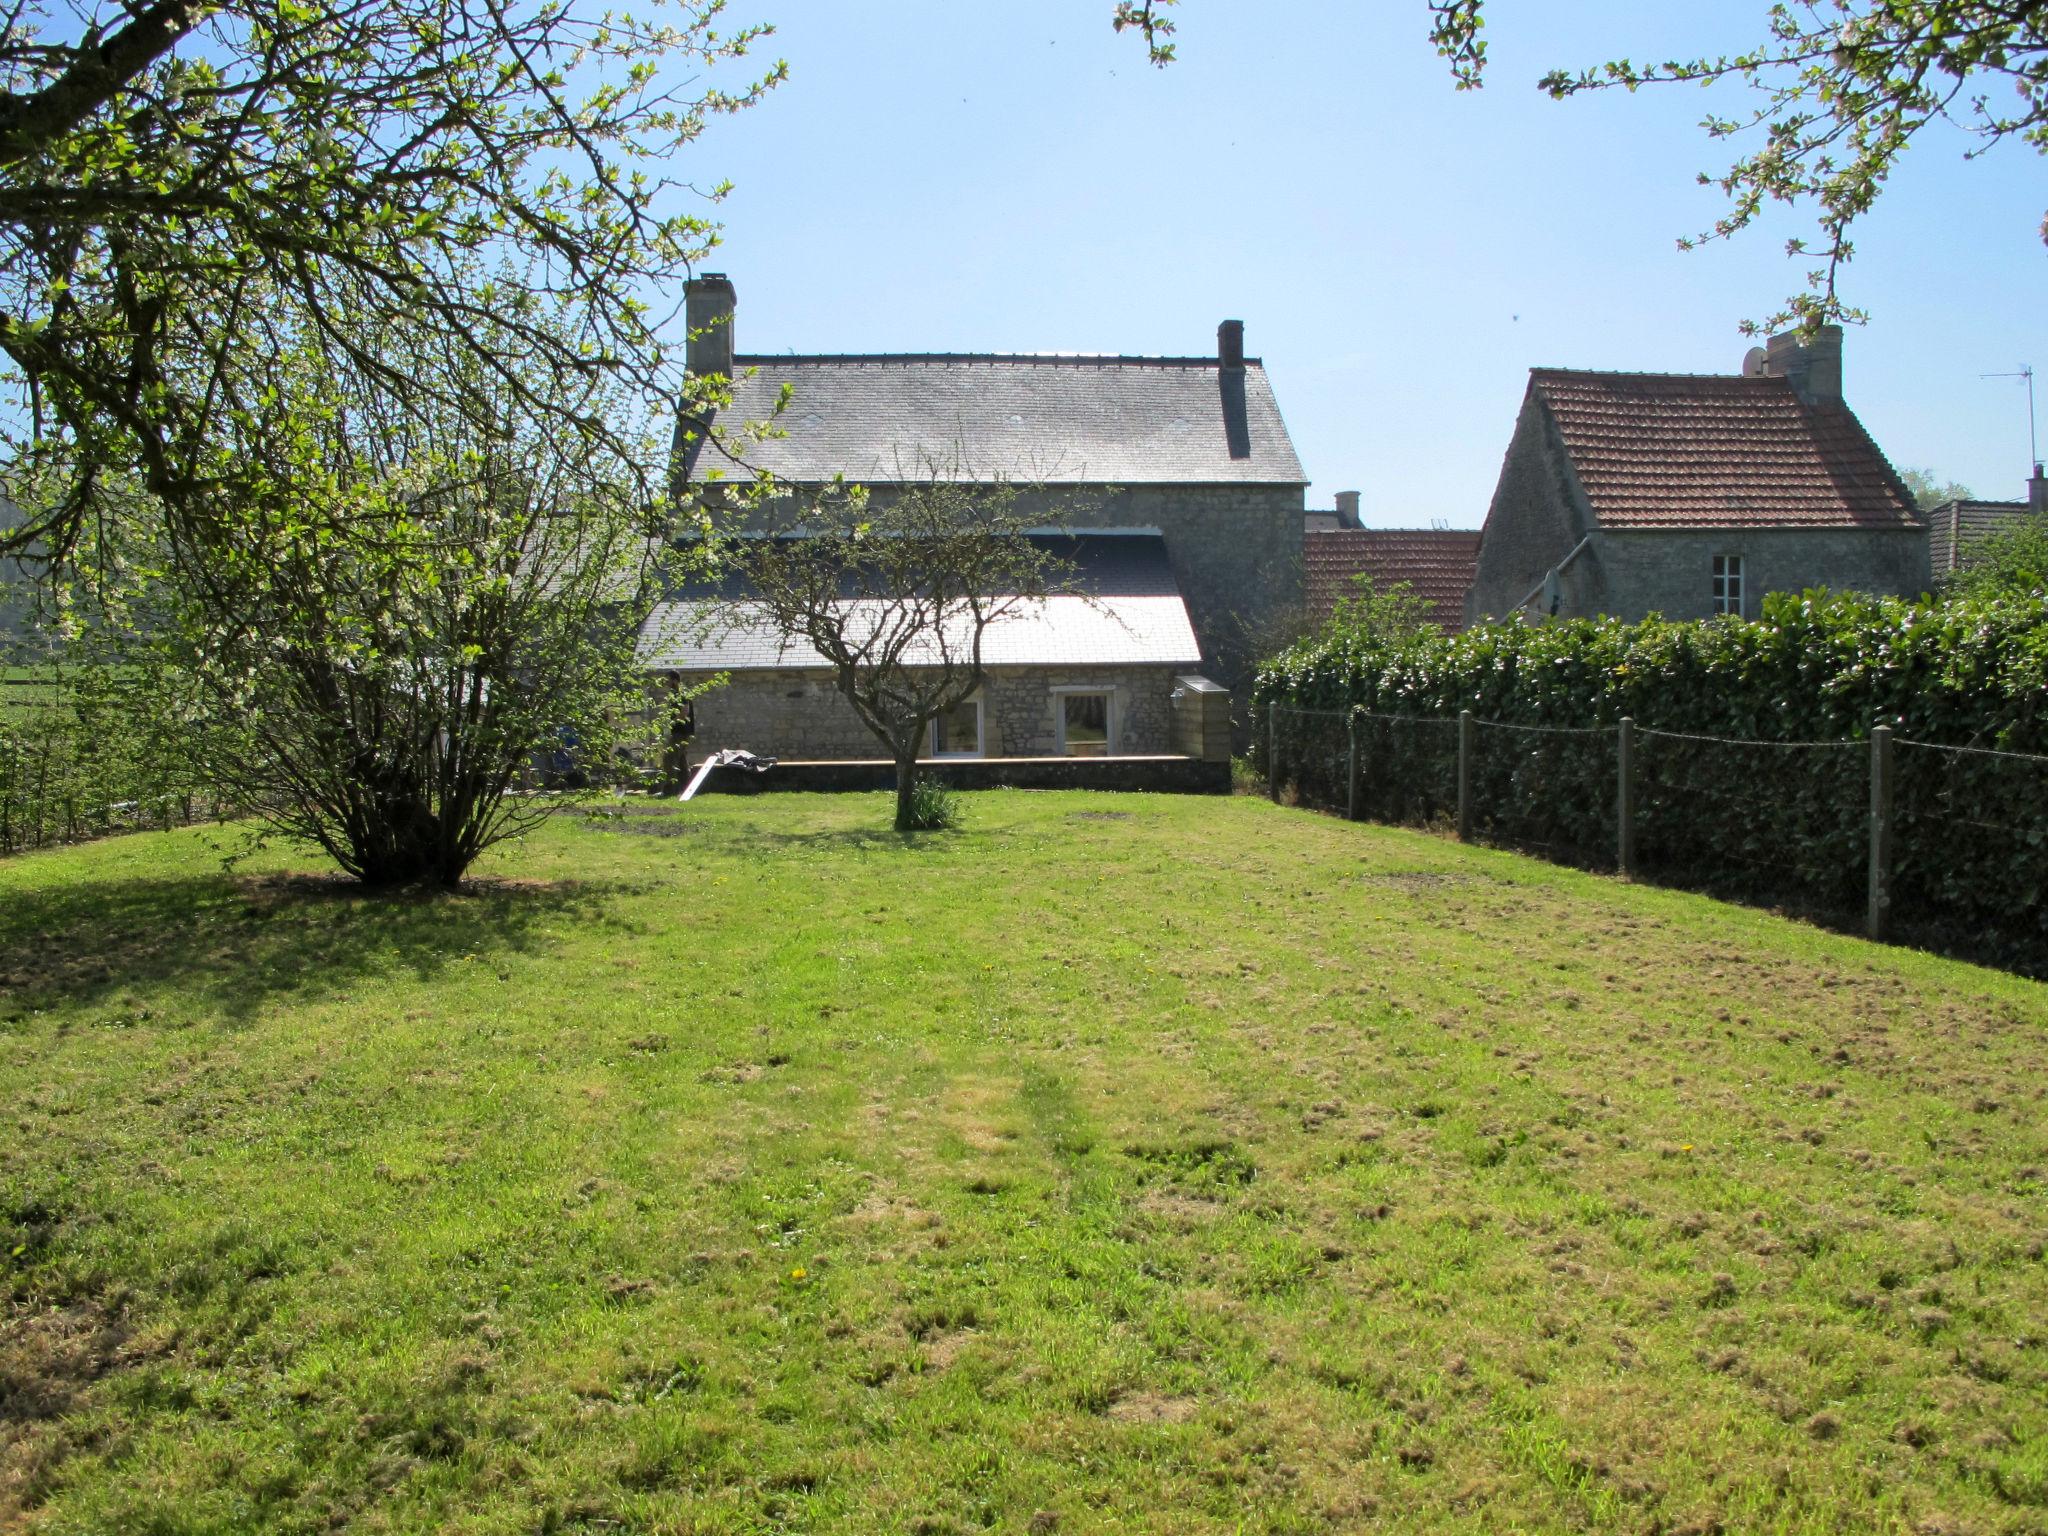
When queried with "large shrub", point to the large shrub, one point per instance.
{"points": [[1779, 818]]}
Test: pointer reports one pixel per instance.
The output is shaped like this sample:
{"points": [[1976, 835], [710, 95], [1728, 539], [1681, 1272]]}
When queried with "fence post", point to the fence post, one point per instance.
{"points": [[1880, 831], [1351, 769], [1466, 733], [1625, 799], [1273, 749]]}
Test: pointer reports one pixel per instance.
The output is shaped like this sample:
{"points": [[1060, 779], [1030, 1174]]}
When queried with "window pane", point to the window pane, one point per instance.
{"points": [[1087, 722], [959, 731]]}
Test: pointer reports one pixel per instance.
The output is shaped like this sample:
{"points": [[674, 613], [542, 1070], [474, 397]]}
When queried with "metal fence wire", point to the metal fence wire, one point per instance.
{"points": [[1547, 789], [1945, 845], [1784, 821], [1970, 841]]}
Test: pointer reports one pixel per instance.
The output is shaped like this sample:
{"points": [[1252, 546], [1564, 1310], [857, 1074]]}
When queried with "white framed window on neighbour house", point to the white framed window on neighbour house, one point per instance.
{"points": [[957, 733], [1087, 721], [1727, 589]]}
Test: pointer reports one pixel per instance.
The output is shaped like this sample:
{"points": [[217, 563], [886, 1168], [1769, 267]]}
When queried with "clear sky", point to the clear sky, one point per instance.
{"points": [[1009, 175]]}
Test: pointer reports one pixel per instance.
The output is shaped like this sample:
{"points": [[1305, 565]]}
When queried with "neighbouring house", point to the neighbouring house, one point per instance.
{"points": [[1343, 515], [1436, 563], [1172, 481], [1956, 528], [1692, 495]]}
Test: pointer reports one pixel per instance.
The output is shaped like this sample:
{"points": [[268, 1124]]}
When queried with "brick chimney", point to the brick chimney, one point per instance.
{"points": [[707, 309], [1814, 368], [1347, 509], [2037, 492], [1230, 343]]}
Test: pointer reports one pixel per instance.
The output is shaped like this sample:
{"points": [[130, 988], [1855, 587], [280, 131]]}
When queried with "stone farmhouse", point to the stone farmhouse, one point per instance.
{"points": [[1169, 482], [1956, 528], [1694, 495]]}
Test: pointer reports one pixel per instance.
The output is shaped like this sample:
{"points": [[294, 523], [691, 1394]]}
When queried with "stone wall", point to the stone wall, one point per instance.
{"points": [[800, 714], [1160, 775], [1532, 524], [1671, 573]]}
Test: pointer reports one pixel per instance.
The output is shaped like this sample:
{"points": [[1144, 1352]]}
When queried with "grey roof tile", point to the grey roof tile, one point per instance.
{"points": [[1051, 419]]}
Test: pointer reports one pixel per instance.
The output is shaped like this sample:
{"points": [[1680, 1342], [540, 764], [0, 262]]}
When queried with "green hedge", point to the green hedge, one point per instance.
{"points": [[1779, 820], [84, 753]]}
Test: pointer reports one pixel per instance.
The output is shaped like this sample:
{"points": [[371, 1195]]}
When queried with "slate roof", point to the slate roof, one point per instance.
{"points": [[1127, 612], [1657, 450], [1049, 418], [1956, 527], [1438, 563]]}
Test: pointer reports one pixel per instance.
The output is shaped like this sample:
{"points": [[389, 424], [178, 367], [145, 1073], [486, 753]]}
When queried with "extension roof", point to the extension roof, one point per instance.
{"points": [[1037, 418], [1438, 563], [1662, 450], [1127, 612], [1956, 527]]}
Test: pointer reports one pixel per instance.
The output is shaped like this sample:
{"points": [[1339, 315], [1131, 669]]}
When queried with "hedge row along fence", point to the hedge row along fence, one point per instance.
{"points": [[81, 756], [1751, 768]]}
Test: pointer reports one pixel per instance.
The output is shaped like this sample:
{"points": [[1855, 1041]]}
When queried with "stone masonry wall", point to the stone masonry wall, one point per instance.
{"points": [[800, 714], [1533, 523], [1671, 573]]}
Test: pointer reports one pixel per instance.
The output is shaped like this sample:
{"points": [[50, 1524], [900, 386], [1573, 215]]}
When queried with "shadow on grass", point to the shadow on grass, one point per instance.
{"points": [[244, 940]]}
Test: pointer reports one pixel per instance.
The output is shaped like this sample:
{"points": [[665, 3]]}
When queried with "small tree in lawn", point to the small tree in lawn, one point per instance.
{"points": [[428, 602], [898, 597]]}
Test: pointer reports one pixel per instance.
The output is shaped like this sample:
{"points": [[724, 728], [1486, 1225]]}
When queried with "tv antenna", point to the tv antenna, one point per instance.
{"points": [[2025, 371]]}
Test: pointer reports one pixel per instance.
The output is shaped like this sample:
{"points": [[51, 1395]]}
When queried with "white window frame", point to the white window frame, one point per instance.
{"points": [[1060, 695], [980, 733], [1726, 585]]}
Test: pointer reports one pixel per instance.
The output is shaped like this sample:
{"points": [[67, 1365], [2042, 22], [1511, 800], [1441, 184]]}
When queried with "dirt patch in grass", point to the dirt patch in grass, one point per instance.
{"points": [[49, 1357], [1152, 1408]]}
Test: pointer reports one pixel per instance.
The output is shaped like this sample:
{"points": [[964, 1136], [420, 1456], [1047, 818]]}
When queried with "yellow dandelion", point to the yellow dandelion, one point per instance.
{"points": [[799, 1273]]}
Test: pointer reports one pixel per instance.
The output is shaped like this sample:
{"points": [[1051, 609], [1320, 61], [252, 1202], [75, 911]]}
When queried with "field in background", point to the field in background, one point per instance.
{"points": [[1117, 1163]]}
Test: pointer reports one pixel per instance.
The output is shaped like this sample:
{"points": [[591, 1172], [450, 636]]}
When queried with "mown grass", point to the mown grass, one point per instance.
{"points": [[1115, 1163]]}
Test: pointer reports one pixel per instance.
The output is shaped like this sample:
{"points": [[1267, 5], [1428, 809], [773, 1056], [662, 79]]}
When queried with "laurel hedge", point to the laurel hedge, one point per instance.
{"points": [[1778, 819]]}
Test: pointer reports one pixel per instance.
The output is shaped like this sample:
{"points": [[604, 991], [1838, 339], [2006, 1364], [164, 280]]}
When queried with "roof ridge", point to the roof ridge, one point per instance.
{"points": [[1074, 359], [1644, 373]]}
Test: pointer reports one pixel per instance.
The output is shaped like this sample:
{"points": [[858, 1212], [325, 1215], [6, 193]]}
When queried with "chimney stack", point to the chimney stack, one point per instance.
{"points": [[1814, 368], [1230, 343], [2037, 492], [1347, 509], [707, 310]]}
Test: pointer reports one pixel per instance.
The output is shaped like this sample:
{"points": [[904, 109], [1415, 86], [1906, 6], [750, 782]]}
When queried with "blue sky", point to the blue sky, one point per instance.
{"points": [[1012, 176]]}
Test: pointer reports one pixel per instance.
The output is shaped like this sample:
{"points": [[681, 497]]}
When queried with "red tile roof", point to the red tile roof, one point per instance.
{"points": [[1658, 450], [1437, 563]]}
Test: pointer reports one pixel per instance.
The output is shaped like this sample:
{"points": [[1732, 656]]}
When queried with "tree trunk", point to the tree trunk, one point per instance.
{"points": [[906, 791]]}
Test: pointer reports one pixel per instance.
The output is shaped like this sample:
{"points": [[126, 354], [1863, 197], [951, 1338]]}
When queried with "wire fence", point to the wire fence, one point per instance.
{"points": [[1943, 845], [76, 765]]}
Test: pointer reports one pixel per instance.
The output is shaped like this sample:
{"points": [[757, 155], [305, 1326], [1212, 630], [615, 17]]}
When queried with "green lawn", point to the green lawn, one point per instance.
{"points": [[1115, 1164]]}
